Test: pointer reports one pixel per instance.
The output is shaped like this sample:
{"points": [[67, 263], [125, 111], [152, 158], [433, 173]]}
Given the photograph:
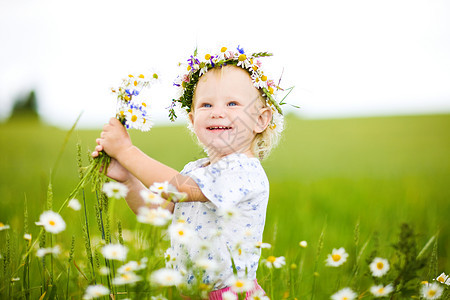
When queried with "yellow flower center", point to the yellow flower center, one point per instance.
{"points": [[239, 283], [180, 232], [264, 78], [223, 49], [431, 293], [134, 118], [336, 257], [381, 290], [135, 83], [240, 251], [242, 57], [155, 76], [114, 253], [141, 76], [2, 225], [188, 68], [270, 89], [440, 278], [271, 259], [208, 56], [144, 104], [51, 222], [131, 76], [380, 265]]}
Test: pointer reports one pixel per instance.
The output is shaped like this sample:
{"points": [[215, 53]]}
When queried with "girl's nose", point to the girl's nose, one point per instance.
{"points": [[217, 112]]}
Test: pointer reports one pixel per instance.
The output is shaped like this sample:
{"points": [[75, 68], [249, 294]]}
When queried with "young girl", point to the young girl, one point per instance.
{"points": [[232, 111]]}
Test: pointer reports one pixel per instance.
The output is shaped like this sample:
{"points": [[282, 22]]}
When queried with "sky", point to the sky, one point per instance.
{"points": [[345, 58]]}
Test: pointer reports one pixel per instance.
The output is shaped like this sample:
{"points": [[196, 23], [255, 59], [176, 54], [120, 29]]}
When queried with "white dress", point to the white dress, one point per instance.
{"points": [[229, 225]]}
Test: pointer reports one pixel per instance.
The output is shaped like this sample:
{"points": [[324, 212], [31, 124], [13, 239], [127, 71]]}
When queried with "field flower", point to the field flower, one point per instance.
{"points": [[275, 262], [442, 278], [381, 291], [74, 204], [229, 213], [126, 278], [27, 236], [41, 252], [303, 244], [115, 251], [229, 296], [337, 257], [132, 266], [3, 226], [154, 216], [240, 285], [379, 267], [115, 190], [95, 291], [166, 277], [259, 295], [344, 294], [52, 222], [151, 197], [160, 187], [261, 245], [181, 232], [431, 291]]}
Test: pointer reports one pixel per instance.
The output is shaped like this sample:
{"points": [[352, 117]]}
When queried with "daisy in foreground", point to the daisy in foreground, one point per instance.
{"points": [[115, 190], [95, 291], [275, 262], [381, 291], [3, 226], [379, 267], [240, 285], [52, 222], [166, 277], [337, 257], [443, 278], [115, 251], [344, 294], [431, 291]]}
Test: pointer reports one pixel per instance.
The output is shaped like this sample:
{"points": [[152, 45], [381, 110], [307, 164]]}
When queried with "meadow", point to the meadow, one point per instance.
{"points": [[334, 183]]}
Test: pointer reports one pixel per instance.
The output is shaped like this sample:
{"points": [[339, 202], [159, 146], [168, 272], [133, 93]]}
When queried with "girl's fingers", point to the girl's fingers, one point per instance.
{"points": [[97, 141], [94, 154], [99, 148]]}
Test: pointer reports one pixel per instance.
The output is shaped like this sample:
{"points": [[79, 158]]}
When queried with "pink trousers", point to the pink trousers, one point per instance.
{"points": [[217, 294]]}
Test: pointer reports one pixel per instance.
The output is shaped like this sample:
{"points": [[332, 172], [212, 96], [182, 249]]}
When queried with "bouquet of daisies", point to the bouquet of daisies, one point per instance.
{"points": [[131, 111]]}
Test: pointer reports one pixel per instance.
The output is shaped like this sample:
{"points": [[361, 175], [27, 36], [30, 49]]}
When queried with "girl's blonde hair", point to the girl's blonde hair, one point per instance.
{"points": [[264, 141]]}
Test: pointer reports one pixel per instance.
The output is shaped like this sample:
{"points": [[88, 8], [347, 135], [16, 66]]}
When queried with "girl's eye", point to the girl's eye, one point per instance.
{"points": [[206, 105], [232, 104]]}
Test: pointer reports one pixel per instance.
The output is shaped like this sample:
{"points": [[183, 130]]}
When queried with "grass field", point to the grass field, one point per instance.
{"points": [[372, 174]]}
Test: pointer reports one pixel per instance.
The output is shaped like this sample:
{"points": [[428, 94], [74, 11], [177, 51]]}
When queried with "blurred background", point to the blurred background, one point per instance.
{"points": [[345, 58], [368, 149]]}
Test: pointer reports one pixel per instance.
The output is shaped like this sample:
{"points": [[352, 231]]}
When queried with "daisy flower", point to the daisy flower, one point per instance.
{"points": [[154, 216], [3, 226], [379, 267], [126, 278], [275, 262], [303, 244], [229, 296], [151, 197], [229, 213], [206, 264], [344, 294], [259, 295], [95, 291], [261, 245], [381, 291], [431, 291], [115, 190], [442, 278], [27, 236], [337, 257], [240, 285], [74, 204], [115, 251], [52, 222], [166, 277], [130, 266], [160, 187], [181, 232], [41, 252]]}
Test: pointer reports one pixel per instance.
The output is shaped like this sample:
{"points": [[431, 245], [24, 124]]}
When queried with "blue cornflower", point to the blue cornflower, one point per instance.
{"points": [[241, 50]]}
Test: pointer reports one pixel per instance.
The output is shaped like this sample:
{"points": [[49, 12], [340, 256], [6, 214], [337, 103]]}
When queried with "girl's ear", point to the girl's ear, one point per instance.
{"points": [[264, 118], [191, 117]]}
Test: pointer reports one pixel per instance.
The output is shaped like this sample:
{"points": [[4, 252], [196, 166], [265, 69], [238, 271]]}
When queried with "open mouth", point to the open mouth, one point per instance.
{"points": [[219, 128]]}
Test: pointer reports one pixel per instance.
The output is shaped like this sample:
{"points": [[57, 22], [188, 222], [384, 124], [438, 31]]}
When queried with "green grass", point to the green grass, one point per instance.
{"points": [[378, 172]]}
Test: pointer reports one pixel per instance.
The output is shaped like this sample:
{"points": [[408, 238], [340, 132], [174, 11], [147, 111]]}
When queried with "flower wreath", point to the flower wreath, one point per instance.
{"points": [[196, 68]]}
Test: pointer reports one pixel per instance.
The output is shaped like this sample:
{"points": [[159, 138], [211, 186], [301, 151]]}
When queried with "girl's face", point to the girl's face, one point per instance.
{"points": [[227, 112]]}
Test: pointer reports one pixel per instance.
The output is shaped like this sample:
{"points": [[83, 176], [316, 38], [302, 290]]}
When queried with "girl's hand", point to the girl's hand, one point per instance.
{"points": [[114, 138], [115, 170]]}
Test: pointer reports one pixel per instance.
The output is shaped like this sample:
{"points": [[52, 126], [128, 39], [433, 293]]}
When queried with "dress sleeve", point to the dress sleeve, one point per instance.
{"points": [[229, 181]]}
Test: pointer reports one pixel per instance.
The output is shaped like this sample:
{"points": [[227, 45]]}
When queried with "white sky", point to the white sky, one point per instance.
{"points": [[345, 58]]}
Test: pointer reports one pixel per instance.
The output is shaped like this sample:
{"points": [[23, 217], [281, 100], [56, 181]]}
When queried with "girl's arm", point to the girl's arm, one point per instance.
{"points": [[115, 141]]}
